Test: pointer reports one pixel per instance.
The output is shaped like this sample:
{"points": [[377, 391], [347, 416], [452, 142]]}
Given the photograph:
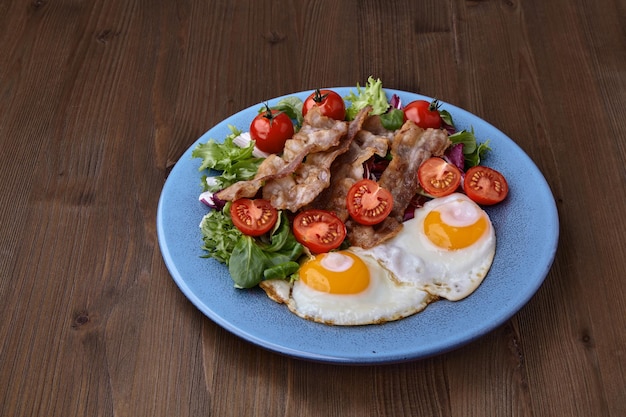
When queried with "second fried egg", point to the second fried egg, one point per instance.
{"points": [[446, 249]]}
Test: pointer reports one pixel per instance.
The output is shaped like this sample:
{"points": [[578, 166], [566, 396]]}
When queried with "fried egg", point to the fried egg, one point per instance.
{"points": [[446, 249], [343, 288]]}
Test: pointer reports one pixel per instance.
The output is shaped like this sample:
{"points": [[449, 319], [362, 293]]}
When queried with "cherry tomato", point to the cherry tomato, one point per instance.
{"points": [[438, 177], [270, 130], [253, 217], [485, 185], [319, 230], [368, 203], [423, 113], [330, 103]]}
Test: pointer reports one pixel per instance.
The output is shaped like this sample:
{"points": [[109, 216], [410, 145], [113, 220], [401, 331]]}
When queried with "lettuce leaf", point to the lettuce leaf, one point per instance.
{"points": [[236, 163], [372, 94], [472, 150], [250, 260], [292, 107], [393, 119], [219, 235]]}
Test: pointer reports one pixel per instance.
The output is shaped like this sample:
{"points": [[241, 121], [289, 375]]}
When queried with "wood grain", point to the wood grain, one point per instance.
{"points": [[98, 100]]}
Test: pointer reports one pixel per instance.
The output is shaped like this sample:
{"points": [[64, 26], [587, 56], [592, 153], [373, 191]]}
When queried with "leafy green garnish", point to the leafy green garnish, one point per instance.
{"points": [[472, 150], [393, 119], [247, 263], [250, 260], [253, 260], [236, 163], [281, 271], [372, 94], [292, 107], [446, 117], [219, 234]]}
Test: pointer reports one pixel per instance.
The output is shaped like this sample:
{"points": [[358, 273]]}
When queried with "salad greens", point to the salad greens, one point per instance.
{"points": [[253, 260], [371, 95], [219, 234], [292, 107], [472, 150], [250, 260], [236, 163]]}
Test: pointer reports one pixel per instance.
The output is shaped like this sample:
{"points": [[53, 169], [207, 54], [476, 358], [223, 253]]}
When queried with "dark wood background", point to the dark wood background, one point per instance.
{"points": [[99, 99]]}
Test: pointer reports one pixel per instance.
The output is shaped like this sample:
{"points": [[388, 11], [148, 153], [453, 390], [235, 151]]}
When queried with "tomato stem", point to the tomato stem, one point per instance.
{"points": [[319, 97], [271, 114], [434, 105]]}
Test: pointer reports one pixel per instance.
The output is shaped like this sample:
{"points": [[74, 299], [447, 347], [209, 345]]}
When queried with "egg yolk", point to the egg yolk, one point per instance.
{"points": [[336, 273], [452, 237]]}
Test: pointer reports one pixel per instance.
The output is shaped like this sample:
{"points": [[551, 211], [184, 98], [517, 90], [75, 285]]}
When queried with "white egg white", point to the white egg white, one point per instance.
{"points": [[384, 300], [452, 274]]}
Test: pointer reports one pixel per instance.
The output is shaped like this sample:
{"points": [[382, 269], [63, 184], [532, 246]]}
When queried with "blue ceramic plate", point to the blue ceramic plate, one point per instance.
{"points": [[526, 226]]}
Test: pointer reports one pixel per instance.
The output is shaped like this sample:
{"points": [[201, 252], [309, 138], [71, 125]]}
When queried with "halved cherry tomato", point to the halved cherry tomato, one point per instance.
{"points": [[330, 103], [368, 203], [253, 217], [319, 230], [438, 177], [485, 185], [423, 113], [270, 130]]}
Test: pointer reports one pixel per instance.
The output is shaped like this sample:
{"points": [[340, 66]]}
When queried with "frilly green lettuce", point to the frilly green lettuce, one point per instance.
{"points": [[372, 94]]}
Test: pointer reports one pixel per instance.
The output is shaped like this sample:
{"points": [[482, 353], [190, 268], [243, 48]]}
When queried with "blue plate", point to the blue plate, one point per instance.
{"points": [[526, 226]]}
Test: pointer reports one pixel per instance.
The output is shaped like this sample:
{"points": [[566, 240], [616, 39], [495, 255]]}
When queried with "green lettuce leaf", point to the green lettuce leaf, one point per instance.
{"points": [[472, 150], [250, 260], [236, 163], [393, 119], [219, 234], [372, 94], [292, 107]]}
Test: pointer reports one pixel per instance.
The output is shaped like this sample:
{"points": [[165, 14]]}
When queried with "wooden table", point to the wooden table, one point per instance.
{"points": [[98, 100]]}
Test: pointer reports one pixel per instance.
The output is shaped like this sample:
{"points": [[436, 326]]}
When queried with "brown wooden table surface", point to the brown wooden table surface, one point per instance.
{"points": [[99, 99]]}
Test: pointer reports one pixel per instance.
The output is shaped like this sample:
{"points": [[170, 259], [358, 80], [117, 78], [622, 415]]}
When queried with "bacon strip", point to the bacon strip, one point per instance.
{"points": [[411, 146], [312, 176], [318, 133], [348, 169]]}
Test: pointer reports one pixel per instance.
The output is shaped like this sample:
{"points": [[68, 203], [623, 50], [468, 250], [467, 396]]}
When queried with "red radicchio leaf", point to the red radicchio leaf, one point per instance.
{"points": [[395, 102], [416, 202], [454, 155], [211, 200]]}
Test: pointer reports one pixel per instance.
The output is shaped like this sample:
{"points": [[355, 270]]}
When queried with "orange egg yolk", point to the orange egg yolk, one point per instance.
{"points": [[453, 237], [336, 273]]}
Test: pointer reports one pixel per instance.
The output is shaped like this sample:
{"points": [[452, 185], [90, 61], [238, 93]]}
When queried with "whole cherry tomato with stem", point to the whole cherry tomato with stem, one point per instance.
{"points": [[270, 129], [330, 103], [424, 114]]}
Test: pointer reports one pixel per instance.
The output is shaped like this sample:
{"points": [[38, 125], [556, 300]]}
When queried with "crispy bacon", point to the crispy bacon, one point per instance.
{"points": [[318, 133], [411, 146], [348, 169], [312, 176], [325, 158], [374, 125]]}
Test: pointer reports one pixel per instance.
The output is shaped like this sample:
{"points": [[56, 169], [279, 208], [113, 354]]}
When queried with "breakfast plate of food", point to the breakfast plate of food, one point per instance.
{"points": [[357, 225]]}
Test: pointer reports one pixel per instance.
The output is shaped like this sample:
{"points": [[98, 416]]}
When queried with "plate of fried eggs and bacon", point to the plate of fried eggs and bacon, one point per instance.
{"points": [[390, 294]]}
